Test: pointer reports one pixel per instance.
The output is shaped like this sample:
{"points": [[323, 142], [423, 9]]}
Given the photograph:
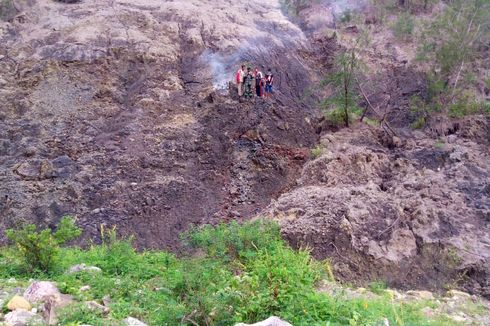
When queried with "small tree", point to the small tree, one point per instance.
{"points": [[344, 98], [39, 249], [451, 43]]}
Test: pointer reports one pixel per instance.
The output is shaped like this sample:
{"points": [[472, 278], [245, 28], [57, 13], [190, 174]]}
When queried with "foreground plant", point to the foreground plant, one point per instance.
{"points": [[235, 273], [39, 249]]}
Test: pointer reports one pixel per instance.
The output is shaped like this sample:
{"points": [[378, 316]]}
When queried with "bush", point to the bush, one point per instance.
{"points": [[419, 123], [346, 16], [316, 152], [403, 27], [231, 241], [246, 274], [378, 287], [39, 249], [115, 255], [336, 115]]}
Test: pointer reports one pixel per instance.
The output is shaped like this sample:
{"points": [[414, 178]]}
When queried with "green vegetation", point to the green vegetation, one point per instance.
{"points": [[453, 42], [293, 7], [371, 122], [403, 27], [378, 287], [316, 152], [39, 249], [346, 16], [419, 123], [242, 273], [341, 106], [439, 144]]}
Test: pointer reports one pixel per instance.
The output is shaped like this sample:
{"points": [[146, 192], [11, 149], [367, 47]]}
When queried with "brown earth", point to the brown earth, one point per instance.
{"points": [[109, 114], [115, 112], [409, 212]]}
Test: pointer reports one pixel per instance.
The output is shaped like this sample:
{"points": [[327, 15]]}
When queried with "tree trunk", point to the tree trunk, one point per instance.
{"points": [[346, 103]]}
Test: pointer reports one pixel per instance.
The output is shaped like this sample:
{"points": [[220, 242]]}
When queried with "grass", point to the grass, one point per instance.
{"points": [[316, 152], [244, 273], [378, 287], [403, 27], [439, 144]]}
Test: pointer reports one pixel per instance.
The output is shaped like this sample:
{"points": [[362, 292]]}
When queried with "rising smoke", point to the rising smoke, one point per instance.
{"points": [[223, 66]]}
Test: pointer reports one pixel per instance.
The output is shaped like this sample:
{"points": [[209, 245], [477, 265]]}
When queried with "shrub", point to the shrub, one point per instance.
{"points": [[342, 104], [115, 255], [378, 287], [233, 240], [39, 249], [246, 274], [419, 123], [80, 314], [316, 152], [346, 16], [403, 27], [336, 115]]}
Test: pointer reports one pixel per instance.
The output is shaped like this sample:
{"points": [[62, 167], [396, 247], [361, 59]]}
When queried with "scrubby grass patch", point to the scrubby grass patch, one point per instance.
{"points": [[316, 151], [243, 273], [403, 27]]}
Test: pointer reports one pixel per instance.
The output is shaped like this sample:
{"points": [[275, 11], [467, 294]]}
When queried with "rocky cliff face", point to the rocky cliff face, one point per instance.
{"points": [[413, 212], [115, 112]]}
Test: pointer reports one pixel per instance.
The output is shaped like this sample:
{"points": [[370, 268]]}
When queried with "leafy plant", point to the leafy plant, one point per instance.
{"points": [[316, 152], [343, 102], [450, 43], [243, 273], [403, 27], [378, 287], [116, 255], [419, 123], [39, 249], [346, 16]]}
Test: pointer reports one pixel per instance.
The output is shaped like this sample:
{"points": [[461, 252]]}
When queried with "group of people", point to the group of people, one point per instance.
{"points": [[254, 83]]}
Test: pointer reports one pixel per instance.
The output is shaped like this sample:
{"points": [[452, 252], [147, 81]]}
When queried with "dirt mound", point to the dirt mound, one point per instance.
{"points": [[414, 215]]}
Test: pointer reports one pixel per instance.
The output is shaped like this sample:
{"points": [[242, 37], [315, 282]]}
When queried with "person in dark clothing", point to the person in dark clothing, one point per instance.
{"points": [[249, 82], [259, 83], [269, 82]]}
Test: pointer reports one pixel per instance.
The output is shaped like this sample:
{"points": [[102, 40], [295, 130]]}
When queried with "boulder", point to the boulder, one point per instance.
{"points": [[18, 302], [394, 294], [423, 295], [271, 321], [39, 291], [83, 268], [97, 307], [130, 321], [455, 294], [21, 318], [51, 306]]}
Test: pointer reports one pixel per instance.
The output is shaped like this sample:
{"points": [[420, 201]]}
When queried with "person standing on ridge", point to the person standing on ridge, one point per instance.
{"points": [[259, 83], [269, 82], [239, 78], [249, 82]]}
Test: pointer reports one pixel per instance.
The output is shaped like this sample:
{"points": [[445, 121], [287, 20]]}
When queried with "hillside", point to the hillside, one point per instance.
{"points": [[372, 152]]}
